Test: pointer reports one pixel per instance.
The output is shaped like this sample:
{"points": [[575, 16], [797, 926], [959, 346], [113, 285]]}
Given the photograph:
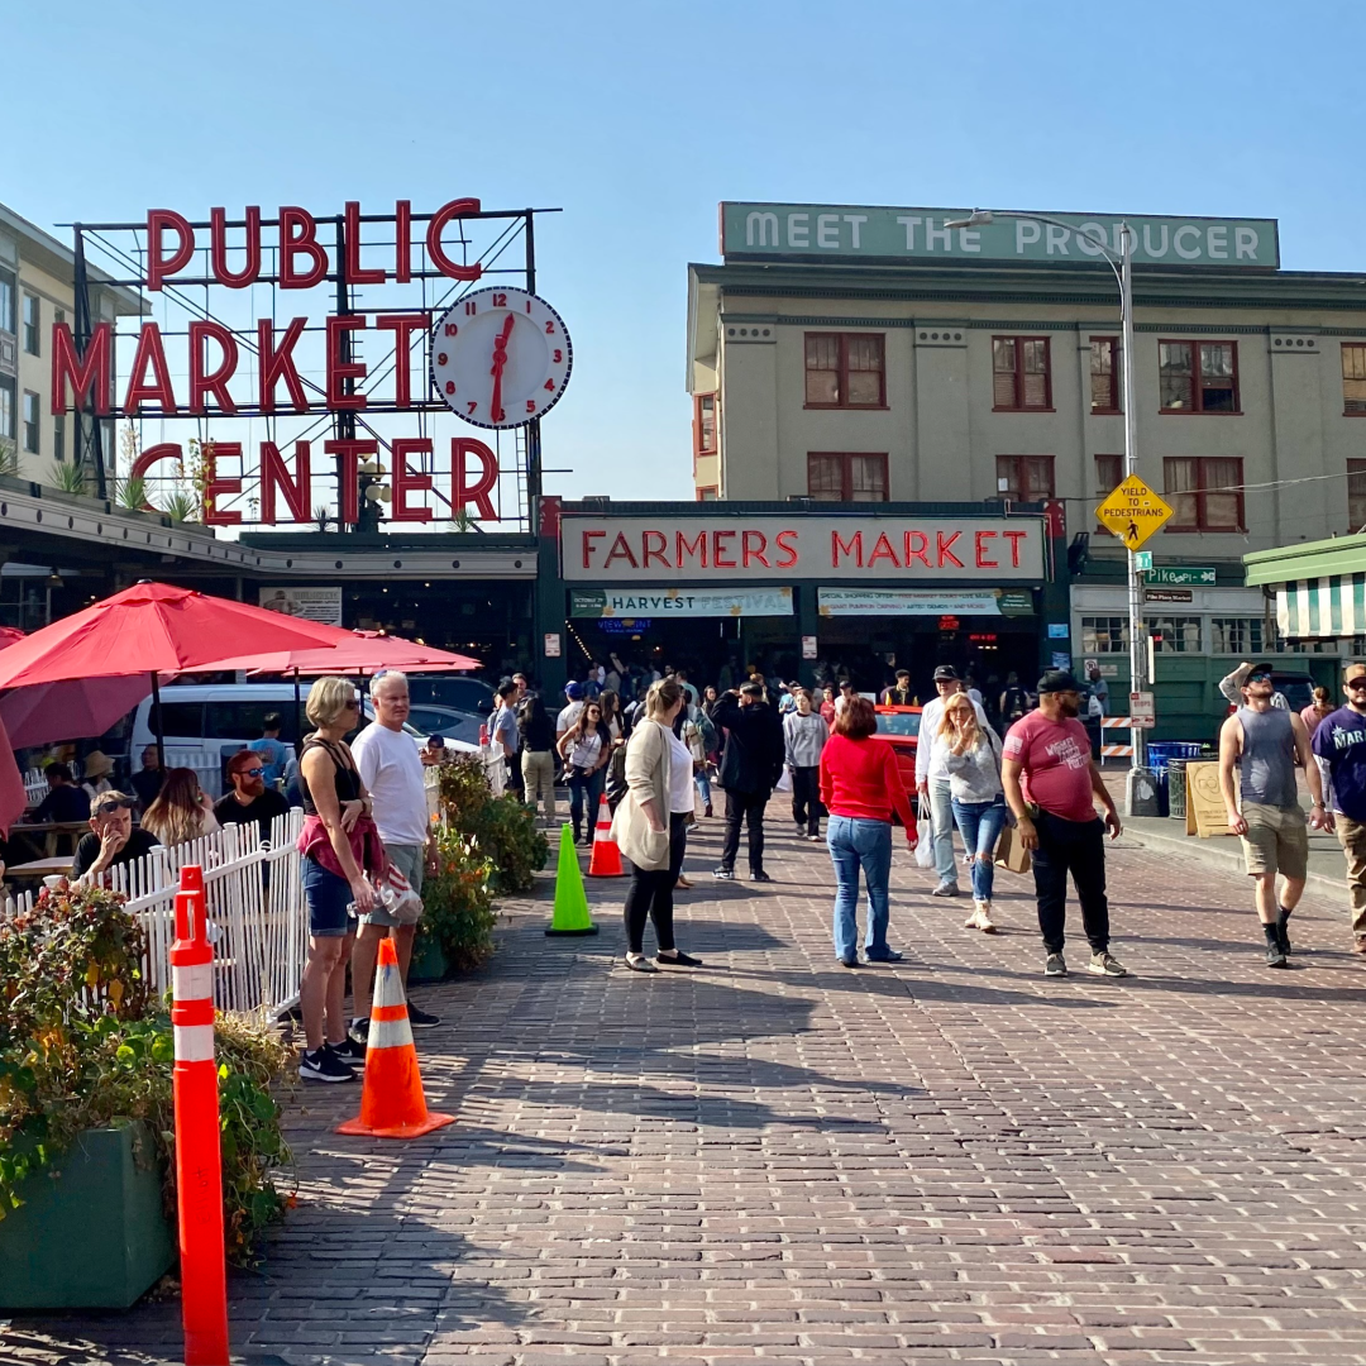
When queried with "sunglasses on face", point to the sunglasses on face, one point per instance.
{"points": [[107, 808], [251, 772], [1357, 683], [352, 705], [1259, 678]]}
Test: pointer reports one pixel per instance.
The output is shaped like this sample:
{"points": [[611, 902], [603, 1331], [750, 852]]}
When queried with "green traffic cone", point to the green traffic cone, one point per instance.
{"points": [[571, 902]]}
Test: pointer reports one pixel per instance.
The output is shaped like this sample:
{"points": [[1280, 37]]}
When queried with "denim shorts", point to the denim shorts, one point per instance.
{"points": [[327, 896]]}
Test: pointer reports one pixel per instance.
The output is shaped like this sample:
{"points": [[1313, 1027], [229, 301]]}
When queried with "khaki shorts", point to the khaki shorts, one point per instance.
{"points": [[411, 861], [1277, 840]]}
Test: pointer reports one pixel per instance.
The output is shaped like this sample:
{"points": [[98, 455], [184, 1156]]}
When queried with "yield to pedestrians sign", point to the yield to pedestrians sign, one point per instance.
{"points": [[1133, 512]]}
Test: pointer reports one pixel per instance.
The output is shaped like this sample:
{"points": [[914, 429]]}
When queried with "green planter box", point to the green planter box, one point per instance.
{"points": [[95, 1237], [429, 962]]}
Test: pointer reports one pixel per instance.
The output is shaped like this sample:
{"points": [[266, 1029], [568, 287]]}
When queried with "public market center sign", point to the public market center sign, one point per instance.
{"points": [[846, 231]]}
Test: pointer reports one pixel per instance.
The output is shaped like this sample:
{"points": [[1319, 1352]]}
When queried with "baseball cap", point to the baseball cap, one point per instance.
{"points": [[1354, 671], [1058, 680], [573, 691], [1262, 668], [946, 673]]}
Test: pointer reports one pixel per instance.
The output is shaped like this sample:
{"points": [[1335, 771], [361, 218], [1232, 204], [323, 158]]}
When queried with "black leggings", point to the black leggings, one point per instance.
{"points": [[650, 896], [678, 844]]}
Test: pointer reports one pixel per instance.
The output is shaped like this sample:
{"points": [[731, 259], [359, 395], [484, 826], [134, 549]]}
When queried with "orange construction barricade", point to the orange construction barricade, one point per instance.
{"points": [[605, 858]]}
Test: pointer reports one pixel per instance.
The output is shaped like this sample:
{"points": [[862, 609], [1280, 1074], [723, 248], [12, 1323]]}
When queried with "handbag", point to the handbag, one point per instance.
{"points": [[1011, 853], [397, 896], [924, 849]]}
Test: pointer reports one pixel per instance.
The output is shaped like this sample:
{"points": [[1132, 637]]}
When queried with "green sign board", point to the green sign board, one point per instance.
{"points": [[1180, 576], [1143, 559], [1016, 604], [631, 603], [849, 231]]}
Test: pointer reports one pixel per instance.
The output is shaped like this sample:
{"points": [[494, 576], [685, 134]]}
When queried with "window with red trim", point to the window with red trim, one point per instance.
{"points": [[1028, 478], [1021, 376], [1105, 369], [846, 477], [1356, 496], [1109, 474], [845, 370], [704, 424], [1205, 492], [708, 494], [1353, 378], [1198, 377]]}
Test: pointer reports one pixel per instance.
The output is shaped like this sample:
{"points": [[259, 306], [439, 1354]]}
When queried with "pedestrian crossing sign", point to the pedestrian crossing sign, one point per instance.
{"points": [[1133, 512]]}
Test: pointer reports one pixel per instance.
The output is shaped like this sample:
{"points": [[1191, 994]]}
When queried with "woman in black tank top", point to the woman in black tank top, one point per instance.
{"points": [[334, 794]]}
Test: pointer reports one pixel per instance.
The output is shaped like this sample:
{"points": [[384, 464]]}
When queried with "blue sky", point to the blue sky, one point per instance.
{"points": [[637, 119]]}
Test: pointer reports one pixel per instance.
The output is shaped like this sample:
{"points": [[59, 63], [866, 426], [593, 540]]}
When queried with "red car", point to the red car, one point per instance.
{"points": [[900, 727]]}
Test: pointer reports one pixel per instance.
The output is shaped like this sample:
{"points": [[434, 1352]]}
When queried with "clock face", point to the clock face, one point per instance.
{"points": [[500, 357]]}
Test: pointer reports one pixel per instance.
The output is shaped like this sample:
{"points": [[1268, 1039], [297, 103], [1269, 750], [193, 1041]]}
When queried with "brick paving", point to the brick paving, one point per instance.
{"points": [[949, 1159]]}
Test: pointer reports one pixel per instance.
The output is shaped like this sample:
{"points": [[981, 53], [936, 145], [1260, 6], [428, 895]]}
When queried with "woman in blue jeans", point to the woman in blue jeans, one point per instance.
{"points": [[586, 747], [972, 758], [861, 787]]}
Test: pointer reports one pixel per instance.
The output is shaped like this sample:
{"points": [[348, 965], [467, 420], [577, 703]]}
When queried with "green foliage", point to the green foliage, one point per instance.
{"points": [[458, 901], [181, 506], [82, 1047], [503, 829], [68, 476], [9, 456], [131, 494]]}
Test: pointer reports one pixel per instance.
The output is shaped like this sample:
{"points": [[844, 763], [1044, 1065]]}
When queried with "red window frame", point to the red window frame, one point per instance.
{"points": [[1197, 395], [1013, 467], [1018, 372], [699, 443], [1106, 466], [1357, 352], [1109, 384], [841, 371], [706, 489], [1356, 496], [1203, 490], [846, 459]]}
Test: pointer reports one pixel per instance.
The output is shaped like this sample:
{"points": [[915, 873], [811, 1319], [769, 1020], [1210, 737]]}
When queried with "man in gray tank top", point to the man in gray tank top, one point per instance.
{"points": [[1264, 743]]}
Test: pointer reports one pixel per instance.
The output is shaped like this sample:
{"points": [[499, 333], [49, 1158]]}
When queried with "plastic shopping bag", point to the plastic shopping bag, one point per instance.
{"points": [[924, 849]]}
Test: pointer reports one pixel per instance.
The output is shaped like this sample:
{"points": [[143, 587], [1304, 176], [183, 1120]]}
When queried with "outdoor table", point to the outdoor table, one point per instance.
{"points": [[42, 837], [41, 868]]}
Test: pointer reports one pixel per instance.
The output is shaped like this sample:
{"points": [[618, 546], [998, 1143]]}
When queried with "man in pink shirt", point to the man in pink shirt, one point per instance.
{"points": [[1052, 785]]}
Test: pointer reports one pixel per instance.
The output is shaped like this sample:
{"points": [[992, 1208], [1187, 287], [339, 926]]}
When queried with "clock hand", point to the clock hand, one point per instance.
{"points": [[500, 357]]}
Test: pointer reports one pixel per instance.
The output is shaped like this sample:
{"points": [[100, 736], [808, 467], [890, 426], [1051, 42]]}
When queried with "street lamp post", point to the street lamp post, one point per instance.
{"points": [[1122, 263]]}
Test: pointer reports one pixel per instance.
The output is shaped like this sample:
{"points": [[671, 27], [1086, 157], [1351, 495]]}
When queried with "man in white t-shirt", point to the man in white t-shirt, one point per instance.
{"points": [[574, 693], [391, 769]]}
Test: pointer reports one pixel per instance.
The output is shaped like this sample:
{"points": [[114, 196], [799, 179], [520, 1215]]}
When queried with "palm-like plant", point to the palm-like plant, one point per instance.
{"points": [[131, 494], [9, 456], [69, 477], [181, 506]]}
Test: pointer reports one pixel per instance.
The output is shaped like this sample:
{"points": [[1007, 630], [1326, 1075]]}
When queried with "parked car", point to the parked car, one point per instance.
{"points": [[450, 724], [459, 692], [900, 727]]}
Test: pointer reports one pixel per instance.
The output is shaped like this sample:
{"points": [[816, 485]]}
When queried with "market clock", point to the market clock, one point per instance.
{"points": [[500, 357]]}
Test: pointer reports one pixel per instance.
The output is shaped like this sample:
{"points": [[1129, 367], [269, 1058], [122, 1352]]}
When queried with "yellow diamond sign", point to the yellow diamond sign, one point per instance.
{"points": [[1133, 512]]}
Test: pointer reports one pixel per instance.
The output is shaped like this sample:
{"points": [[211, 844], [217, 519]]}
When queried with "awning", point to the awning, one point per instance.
{"points": [[1328, 607]]}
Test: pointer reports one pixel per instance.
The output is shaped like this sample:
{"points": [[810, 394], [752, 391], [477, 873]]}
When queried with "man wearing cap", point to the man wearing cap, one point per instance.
{"points": [[845, 693], [569, 714], [1052, 785], [932, 779], [1339, 745], [1264, 742], [900, 694]]}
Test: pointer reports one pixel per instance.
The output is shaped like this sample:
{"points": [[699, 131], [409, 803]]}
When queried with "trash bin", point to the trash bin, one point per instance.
{"points": [[1176, 789], [1162, 752]]}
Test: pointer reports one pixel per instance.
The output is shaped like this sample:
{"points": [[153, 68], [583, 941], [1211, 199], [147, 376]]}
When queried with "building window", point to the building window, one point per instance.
{"points": [[835, 476], [7, 416], [845, 370], [1353, 377], [1356, 496], [1105, 635], [1021, 381], [1175, 635], [1105, 375], [59, 437], [1205, 493], [31, 427], [708, 494], [6, 301], [1198, 377], [1024, 478], [31, 324], [1109, 474], [704, 424], [1241, 636]]}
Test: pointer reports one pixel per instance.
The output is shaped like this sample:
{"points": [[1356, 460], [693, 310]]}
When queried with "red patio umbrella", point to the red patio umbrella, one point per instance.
{"points": [[9, 635]]}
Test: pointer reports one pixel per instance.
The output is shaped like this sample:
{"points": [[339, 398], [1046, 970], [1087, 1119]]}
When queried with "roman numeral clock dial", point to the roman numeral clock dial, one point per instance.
{"points": [[500, 357]]}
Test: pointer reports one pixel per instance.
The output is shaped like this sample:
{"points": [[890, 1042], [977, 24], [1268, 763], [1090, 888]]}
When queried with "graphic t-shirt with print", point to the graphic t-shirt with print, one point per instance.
{"points": [[1056, 758], [1340, 745]]}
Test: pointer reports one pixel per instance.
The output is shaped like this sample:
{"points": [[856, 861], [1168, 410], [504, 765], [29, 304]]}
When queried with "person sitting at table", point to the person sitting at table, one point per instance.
{"points": [[148, 779], [97, 766], [250, 798], [65, 802], [181, 812], [112, 840]]}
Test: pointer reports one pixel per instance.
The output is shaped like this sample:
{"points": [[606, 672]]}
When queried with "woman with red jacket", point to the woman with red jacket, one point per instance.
{"points": [[860, 787]]}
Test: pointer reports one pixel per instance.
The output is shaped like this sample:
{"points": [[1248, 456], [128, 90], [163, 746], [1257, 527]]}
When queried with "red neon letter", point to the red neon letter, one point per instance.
{"points": [[349, 452], [215, 487], [463, 493], [883, 551], [356, 274], [168, 450], [945, 548], [277, 364], [403, 325], [753, 544], [305, 241], [455, 209], [90, 371], [403, 241], [404, 482], [652, 549], [159, 266], [297, 491], [216, 381], [337, 368], [696, 548], [790, 556], [218, 248], [149, 352], [621, 550], [982, 548], [838, 547], [716, 561], [1015, 537], [916, 545], [588, 538]]}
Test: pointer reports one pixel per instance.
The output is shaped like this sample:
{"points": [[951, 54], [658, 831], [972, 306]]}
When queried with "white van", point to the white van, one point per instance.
{"points": [[205, 724]]}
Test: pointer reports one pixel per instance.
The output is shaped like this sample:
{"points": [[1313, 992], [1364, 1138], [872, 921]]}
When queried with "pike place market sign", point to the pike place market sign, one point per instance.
{"points": [[845, 231], [740, 549]]}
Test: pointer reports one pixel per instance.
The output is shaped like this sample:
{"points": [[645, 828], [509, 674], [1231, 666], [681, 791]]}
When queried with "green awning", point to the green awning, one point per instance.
{"points": [[1320, 586]]}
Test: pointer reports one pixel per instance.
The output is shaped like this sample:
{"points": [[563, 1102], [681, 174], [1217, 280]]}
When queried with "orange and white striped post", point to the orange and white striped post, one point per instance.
{"points": [[198, 1154]]}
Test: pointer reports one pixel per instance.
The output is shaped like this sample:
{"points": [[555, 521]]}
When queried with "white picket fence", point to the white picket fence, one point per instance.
{"points": [[35, 786]]}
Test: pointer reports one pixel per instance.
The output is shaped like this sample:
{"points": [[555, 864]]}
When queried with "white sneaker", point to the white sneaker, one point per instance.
{"points": [[983, 917]]}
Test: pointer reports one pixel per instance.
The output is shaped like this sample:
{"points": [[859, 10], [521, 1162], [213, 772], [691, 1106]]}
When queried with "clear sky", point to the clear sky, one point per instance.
{"points": [[638, 118]]}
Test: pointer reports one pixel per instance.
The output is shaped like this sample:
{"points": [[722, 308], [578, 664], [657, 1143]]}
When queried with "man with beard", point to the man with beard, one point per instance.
{"points": [[250, 798], [1051, 785]]}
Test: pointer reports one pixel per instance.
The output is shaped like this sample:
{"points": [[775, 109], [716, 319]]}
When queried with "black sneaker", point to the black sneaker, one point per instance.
{"points": [[724, 874], [1275, 956], [1056, 966], [420, 1019], [888, 956], [760, 876], [324, 1065], [360, 1030], [678, 960], [849, 960], [1283, 932], [349, 1051]]}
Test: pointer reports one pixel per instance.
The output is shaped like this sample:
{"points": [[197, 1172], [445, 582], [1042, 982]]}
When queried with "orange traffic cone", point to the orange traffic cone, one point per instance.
{"points": [[605, 858], [391, 1104]]}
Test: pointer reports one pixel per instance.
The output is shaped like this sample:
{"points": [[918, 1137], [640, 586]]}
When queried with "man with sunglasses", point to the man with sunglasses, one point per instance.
{"points": [[1264, 742], [112, 840], [250, 798], [1339, 745]]}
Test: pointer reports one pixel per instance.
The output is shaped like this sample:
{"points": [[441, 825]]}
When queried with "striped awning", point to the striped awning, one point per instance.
{"points": [[1326, 608]]}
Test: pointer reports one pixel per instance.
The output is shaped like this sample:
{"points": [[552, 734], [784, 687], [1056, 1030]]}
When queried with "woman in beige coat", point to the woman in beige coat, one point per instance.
{"points": [[641, 830]]}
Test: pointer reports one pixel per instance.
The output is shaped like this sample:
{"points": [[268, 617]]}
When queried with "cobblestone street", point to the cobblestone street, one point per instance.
{"points": [[947, 1159]]}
